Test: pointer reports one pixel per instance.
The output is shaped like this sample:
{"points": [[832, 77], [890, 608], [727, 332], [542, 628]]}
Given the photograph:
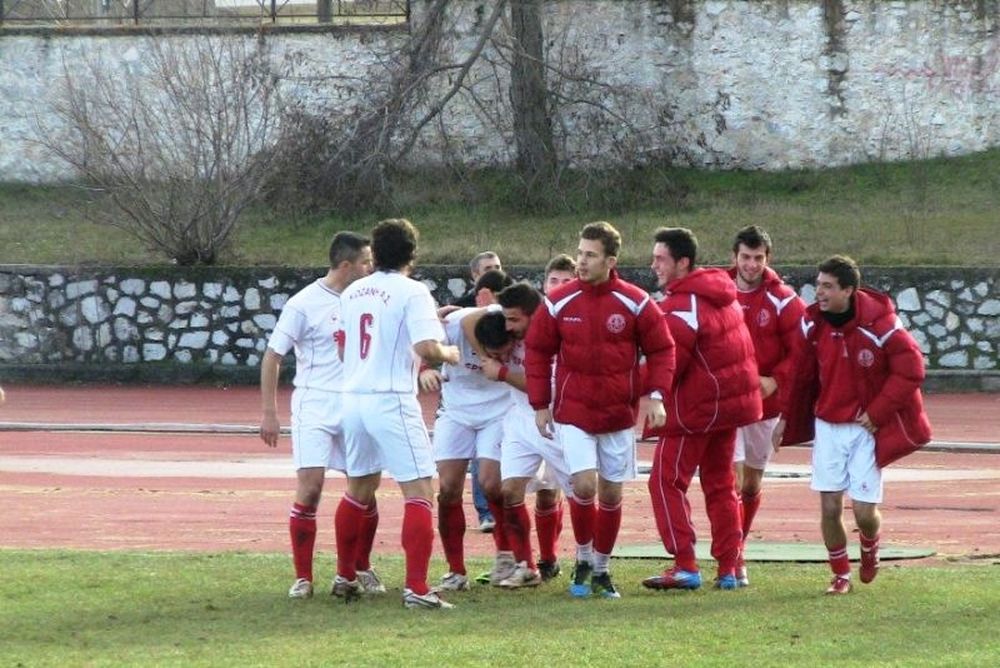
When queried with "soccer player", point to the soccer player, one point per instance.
{"points": [[598, 325], [308, 323], [389, 321], [771, 311], [560, 270], [479, 265], [523, 451], [469, 427], [716, 389], [868, 407]]}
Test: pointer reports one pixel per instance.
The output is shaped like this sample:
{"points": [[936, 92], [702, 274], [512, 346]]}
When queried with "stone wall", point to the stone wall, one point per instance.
{"points": [[718, 83], [223, 316]]}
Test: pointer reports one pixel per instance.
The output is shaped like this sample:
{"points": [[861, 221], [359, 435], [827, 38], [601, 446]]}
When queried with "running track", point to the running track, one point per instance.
{"points": [[195, 491]]}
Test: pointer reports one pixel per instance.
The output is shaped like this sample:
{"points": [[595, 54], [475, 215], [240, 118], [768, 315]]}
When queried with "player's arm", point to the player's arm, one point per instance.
{"points": [[657, 344], [435, 352], [500, 372], [795, 402], [270, 369], [788, 332], [541, 344], [906, 375]]}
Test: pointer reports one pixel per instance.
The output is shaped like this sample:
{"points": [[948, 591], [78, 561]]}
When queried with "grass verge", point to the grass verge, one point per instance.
{"points": [[89, 608], [939, 211]]}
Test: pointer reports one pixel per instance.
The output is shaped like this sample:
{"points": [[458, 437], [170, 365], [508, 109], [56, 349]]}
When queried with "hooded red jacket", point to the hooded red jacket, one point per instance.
{"points": [[772, 313], [597, 333], [870, 364], [716, 385]]}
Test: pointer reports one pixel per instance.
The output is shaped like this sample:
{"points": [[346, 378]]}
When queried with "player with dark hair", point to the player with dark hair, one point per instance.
{"points": [[388, 321], [307, 324], [716, 389], [865, 372], [771, 311], [469, 427], [599, 326]]}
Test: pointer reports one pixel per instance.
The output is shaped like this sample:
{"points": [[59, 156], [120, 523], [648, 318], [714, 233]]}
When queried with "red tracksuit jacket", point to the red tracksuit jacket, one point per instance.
{"points": [[716, 385], [772, 313], [870, 364], [597, 334]]}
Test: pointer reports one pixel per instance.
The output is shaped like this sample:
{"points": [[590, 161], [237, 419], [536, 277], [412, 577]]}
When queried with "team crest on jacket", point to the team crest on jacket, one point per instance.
{"points": [[866, 357], [763, 318], [616, 323]]}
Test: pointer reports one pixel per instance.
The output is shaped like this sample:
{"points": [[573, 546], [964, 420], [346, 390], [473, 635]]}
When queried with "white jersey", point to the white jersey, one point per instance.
{"points": [[383, 315], [309, 322], [519, 398], [468, 395]]}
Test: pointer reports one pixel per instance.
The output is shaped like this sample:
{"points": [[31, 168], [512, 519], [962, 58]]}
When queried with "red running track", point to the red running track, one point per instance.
{"points": [[230, 492]]}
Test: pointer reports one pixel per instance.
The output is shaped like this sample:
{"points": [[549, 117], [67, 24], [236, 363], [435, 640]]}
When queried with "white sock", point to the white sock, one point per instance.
{"points": [[601, 562]]}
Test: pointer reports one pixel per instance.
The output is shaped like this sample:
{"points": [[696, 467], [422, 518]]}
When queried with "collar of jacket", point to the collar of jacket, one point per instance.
{"points": [[602, 288]]}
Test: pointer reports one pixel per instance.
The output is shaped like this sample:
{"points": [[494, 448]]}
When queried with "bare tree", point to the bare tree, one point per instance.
{"points": [[538, 90], [179, 147], [529, 95]]}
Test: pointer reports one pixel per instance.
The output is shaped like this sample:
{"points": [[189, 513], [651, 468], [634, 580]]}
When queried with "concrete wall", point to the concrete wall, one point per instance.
{"points": [[127, 317], [719, 83]]}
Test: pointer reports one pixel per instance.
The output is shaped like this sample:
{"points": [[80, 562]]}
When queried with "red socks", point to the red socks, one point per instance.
{"points": [[451, 527], [349, 526], [840, 564], [750, 506], [363, 562], [518, 527], [548, 524], [302, 529], [500, 538], [609, 521], [868, 544], [584, 516], [418, 543]]}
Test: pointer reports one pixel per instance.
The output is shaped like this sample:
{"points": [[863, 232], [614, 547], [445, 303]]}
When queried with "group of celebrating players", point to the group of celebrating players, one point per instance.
{"points": [[545, 391]]}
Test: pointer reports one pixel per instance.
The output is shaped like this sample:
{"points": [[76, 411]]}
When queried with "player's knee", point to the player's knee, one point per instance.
{"points": [[449, 493], [584, 489], [546, 499], [831, 505], [512, 493]]}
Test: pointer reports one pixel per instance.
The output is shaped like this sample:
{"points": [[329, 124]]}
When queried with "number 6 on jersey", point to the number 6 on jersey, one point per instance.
{"points": [[367, 320]]}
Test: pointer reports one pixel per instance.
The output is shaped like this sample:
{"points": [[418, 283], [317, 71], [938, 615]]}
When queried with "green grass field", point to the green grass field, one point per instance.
{"points": [[62, 608], [941, 211]]}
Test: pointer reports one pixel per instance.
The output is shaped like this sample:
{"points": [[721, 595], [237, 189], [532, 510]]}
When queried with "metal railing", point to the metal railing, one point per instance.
{"points": [[161, 13]]}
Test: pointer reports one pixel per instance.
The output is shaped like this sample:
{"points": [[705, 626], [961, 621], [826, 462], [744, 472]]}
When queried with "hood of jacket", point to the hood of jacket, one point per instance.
{"points": [[709, 283]]}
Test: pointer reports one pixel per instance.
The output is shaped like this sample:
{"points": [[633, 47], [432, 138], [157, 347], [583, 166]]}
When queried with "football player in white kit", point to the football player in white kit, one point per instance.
{"points": [[308, 323], [468, 428], [523, 451], [389, 323]]}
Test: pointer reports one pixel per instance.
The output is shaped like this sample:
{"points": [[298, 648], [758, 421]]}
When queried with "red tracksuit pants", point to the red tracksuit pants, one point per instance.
{"points": [[674, 464]]}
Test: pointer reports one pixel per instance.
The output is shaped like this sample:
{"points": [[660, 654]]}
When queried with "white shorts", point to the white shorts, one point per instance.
{"points": [[524, 452], [459, 439], [612, 454], [386, 430], [843, 458], [545, 479], [753, 443], [317, 436]]}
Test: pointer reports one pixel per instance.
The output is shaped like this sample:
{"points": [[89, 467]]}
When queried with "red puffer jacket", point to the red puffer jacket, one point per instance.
{"points": [[870, 364], [772, 313], [597, 333], [716, 385]]}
